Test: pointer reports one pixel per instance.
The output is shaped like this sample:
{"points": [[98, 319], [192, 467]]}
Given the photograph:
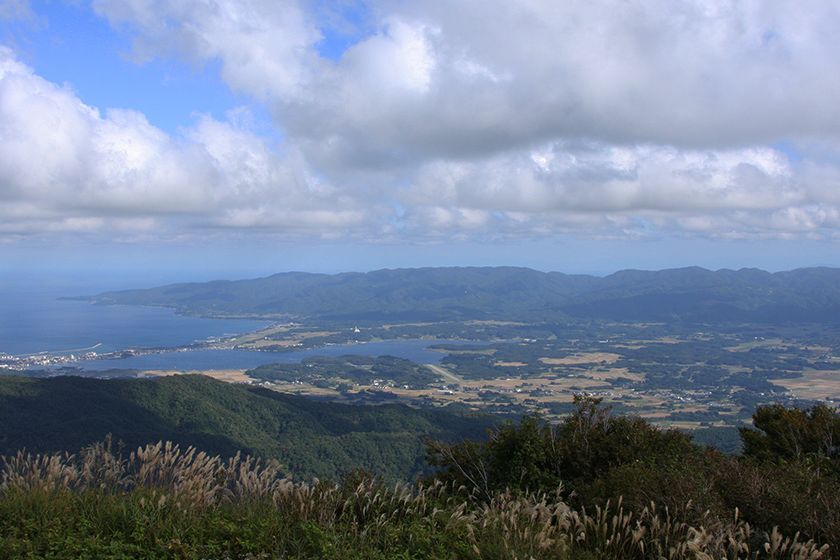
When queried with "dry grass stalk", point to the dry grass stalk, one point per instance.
{"points": [[506, 525]]}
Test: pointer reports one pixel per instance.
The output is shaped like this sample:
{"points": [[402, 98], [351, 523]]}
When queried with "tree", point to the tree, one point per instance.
{"points": [[535, 455], [794, 434]]}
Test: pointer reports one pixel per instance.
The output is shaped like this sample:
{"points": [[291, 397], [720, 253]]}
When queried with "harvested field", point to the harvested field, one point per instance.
{"points": [[814, 384], [583, 358], [227, 375]]}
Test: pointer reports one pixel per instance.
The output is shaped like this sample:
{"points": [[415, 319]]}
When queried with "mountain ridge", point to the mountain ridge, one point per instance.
{"points": [[693, 294]]}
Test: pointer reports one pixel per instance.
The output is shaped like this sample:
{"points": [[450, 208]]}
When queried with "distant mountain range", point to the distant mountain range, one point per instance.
{"points": [[435, 294], [309, 437]]}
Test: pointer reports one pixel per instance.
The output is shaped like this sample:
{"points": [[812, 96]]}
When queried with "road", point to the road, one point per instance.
{"points": [[445, 373]]}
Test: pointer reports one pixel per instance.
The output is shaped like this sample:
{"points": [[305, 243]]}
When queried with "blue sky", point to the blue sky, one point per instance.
{"points": [[211, 139], [67, 43]]}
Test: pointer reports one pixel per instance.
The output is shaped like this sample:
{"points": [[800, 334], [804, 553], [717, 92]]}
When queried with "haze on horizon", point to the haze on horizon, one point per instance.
{"points": [[178, 140]]}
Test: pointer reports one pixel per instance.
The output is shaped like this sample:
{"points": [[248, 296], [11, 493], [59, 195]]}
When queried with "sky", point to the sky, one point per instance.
{"points": [[193, 139]]}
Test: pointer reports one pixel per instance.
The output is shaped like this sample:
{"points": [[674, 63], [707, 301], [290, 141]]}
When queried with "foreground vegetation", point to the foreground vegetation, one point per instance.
{"points": [[594, 486], [164, 502]]}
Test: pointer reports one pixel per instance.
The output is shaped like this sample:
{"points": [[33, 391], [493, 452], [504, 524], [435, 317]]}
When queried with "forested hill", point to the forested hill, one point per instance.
{"points": [[430, 294], [309, 437]]}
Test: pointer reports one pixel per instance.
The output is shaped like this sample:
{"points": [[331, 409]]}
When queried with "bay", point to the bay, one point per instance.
{"points": [[34, 319]]}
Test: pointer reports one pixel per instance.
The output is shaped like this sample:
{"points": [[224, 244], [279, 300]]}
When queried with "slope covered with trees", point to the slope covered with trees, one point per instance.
{"points": [[433, 294], [312, 438]]}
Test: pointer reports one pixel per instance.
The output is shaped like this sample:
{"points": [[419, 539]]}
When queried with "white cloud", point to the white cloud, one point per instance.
{"points": [[68, 167], [592, 189], [592, 177], [454, 119], [459, 78], [265, 45]]}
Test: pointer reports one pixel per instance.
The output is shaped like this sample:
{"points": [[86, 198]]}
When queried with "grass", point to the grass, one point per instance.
{"points": [[162, 501]]}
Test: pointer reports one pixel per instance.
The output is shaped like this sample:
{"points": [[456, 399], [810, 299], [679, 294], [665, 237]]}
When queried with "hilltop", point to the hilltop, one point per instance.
{"points": [[435, 294]]}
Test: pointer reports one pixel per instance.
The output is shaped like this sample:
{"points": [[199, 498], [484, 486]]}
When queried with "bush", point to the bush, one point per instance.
{"points": [[162, 502], [537, 456], [788, 478]]}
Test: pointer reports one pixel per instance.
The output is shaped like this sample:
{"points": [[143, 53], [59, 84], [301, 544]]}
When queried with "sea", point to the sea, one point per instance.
{"points": [[34, 318]]}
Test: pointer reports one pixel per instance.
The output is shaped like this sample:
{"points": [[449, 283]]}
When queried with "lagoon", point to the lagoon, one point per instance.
{"points": [[412, 349]]}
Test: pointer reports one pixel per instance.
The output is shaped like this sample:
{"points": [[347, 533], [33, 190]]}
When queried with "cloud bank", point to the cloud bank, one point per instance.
{"points": [[449, 120], [67, 167]]}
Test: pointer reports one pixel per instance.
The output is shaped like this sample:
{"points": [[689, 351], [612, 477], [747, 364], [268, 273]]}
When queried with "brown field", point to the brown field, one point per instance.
{"points": [[508, 384], [583, 358], [510, 364], [227, 375], [814, 384], [567, 384], [667, 340]]}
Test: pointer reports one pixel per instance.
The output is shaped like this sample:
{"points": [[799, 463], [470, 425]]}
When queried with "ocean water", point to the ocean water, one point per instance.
{"points": [[34, 319]]}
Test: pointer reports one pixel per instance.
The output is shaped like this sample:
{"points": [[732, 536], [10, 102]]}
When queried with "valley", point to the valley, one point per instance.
{"points": [[507, 341], [673, 376], [708, 380]]}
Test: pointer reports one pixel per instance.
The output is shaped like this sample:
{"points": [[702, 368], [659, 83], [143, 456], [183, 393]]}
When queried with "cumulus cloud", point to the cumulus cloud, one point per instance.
{"points": [[265, 46], [454, 119], [458, 78], [596, 178], [594, 189], [67, 166]]}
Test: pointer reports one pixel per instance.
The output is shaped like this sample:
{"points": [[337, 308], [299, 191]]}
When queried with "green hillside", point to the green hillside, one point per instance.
{"points": [[309, 437], [429, 294]]}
